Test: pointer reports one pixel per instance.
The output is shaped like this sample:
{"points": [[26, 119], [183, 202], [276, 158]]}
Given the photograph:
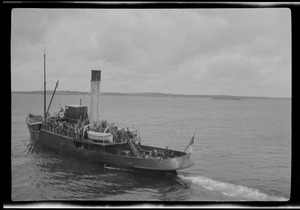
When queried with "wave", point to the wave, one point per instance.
{"points": [[236, 192]]}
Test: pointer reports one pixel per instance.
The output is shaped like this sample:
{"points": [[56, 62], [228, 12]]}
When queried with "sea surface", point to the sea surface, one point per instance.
{"points": [[242, 151]]}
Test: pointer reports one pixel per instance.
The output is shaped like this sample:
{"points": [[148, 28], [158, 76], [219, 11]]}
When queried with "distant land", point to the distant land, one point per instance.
{"points": [[150, 94]]}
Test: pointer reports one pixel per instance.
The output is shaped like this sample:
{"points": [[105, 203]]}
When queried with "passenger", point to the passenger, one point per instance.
{"points": [[127, 133], [172, 154], [125, 136], [57, 127], [99, 129], [80, 132], [82, 125], [103, 124], [76, 132], [154, 153], [54, 126], [70, 130], [61, 128], [94, 125], [167, 153], [150, 153], [65, 125], [119, 135]]}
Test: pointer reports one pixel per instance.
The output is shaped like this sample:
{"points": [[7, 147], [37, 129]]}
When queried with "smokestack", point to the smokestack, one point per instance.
{"points": [[95, 98]]}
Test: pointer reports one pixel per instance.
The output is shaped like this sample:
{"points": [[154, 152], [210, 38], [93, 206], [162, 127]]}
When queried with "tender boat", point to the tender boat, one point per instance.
{"points": [[101, 137]]}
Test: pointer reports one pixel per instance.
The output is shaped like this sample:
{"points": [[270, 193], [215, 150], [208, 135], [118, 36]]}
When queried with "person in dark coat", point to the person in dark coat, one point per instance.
{"points": [[167, 153]]}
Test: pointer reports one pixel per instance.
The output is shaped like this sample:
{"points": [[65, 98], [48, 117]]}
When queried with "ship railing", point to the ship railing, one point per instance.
{"points": [[76, 134]]}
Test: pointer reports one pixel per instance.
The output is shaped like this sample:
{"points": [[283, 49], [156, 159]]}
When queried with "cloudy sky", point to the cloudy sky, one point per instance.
{"points": [[244, 52]]}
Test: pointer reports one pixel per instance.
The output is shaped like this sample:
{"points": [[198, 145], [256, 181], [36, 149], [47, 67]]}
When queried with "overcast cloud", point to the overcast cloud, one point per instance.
{"points": [[245, 52]]}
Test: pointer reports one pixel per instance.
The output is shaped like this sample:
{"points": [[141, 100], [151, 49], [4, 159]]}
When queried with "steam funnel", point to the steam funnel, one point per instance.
{"points": [[94, 115]]}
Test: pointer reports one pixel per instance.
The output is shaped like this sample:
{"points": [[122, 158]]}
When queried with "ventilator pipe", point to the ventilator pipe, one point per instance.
{"points": [[106, 129], [86, 128]]}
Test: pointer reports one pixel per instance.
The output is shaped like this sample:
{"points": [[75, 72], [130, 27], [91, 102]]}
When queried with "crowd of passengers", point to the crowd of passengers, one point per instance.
{"points": [[75, 130], [119, 134]]}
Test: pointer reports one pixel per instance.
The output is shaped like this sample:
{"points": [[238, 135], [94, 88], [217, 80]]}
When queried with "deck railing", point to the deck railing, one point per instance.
{"points": [[71, 133]]}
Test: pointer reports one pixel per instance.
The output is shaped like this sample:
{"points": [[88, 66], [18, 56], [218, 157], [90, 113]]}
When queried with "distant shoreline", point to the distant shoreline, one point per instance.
{"points": [[147, 94]]}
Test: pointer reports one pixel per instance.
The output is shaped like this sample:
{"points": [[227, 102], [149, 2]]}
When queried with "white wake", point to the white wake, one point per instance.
{"points": [[236, 192], [117, 169]]}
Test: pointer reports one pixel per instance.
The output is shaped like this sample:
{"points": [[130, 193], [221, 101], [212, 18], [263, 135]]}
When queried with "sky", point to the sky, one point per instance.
{"points": [[242, 52]]}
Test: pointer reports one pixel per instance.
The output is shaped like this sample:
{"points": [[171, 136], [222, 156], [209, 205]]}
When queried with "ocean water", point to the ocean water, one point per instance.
{"points": [[242, 151]]}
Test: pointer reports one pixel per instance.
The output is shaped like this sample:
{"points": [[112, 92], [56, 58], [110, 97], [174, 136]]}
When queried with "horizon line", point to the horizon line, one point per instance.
{"points": [[154, 93]]}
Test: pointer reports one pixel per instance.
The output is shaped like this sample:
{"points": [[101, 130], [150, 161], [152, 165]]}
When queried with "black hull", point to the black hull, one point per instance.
{"points": [[88, 152]]}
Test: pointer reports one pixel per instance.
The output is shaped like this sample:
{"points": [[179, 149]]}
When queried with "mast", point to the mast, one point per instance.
{"points": [[44, 83]]}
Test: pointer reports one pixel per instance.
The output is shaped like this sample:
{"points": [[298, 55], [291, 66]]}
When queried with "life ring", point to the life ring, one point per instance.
{"points": [[61, 114]]}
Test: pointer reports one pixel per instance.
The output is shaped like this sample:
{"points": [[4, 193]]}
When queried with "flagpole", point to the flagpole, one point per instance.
{"points": [[190, 143]]}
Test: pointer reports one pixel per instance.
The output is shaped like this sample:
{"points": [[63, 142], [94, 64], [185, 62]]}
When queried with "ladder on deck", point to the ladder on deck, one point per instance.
{"points": [[134, 149]]}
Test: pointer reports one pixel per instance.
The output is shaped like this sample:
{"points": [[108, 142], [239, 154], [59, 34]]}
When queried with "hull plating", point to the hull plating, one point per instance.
{"points": [[68, 145]]}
